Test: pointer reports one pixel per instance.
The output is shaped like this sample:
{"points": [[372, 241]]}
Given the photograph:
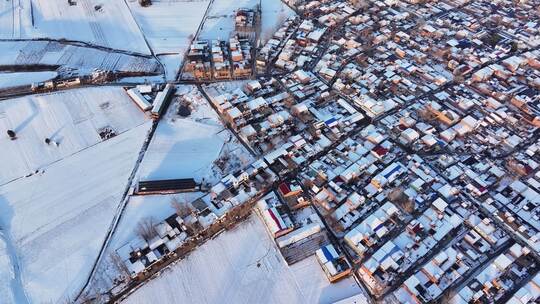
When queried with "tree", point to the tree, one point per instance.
{"points": [[398, 197], [145, 228], [11, 134], [515, 47], [182, 207], [193, 227], [493, 39], [145, 2], [118, 264]]}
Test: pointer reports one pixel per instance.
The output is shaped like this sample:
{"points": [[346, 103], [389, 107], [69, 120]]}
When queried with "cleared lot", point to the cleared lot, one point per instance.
{"points": [[242, 266]]}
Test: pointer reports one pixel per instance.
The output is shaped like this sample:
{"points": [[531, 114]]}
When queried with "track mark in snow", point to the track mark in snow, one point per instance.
{"points": [[97, 31], [17, 287]]}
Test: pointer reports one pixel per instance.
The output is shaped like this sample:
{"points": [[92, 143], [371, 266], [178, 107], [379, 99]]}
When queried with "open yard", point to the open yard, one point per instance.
{"points": [[57, 202], [242, 266], [188, 147]]}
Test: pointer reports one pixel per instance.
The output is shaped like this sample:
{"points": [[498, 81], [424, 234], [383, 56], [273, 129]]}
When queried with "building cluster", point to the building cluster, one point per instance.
{"points": [[406, 130], [245, 20], [269, 52], [267, 112], [152, 98], [296, 45], [219, 59], [158, 242], [414, 134], [508, 269]]}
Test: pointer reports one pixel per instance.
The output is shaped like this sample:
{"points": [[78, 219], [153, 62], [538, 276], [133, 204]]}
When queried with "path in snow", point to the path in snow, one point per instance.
{"points": [[17, 287]]}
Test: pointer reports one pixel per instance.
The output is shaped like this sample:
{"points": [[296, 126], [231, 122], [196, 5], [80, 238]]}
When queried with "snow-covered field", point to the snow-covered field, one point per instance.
{"points": [[242, 265], [172, 65], [188, 147], [315, 287], [154, 208], [81, 59], [15, 18], [55, 220], [104, 23], [8, 80], [168, 24], [59, 218], [220, 20], [72, 118], [274, 13], [10, 287]]}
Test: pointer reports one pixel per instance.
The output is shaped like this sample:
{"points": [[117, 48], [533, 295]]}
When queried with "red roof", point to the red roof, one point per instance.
{"points": [[284, 188], [380, 150], [275, 219]]}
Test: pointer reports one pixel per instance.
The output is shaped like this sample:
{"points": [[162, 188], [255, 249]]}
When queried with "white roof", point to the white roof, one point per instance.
{"points": [[440, 204]]}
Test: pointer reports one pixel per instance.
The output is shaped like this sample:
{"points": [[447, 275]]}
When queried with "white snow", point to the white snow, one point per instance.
{"points": [[274, 13], [154, 207], [57, 202], [157, 207], [188, 147], [14, 18], [168, 25], [104, 23], [315, 286], [8, 80], [72, 118], [220, 20], [83, 59], [242, 265], [59, 217], [7, 274], [172, 65]]}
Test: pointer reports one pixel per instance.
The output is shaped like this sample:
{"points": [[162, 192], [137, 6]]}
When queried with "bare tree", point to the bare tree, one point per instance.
{"points": [[193, 227], [118, 264], [145, 228], [182, 207], [332, 222], [398, 197]]}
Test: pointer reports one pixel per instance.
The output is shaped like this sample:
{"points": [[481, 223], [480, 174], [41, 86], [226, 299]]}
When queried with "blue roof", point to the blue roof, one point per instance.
{"points": [[398, 167], [330, 121], [327, 253], [378, 227]]}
